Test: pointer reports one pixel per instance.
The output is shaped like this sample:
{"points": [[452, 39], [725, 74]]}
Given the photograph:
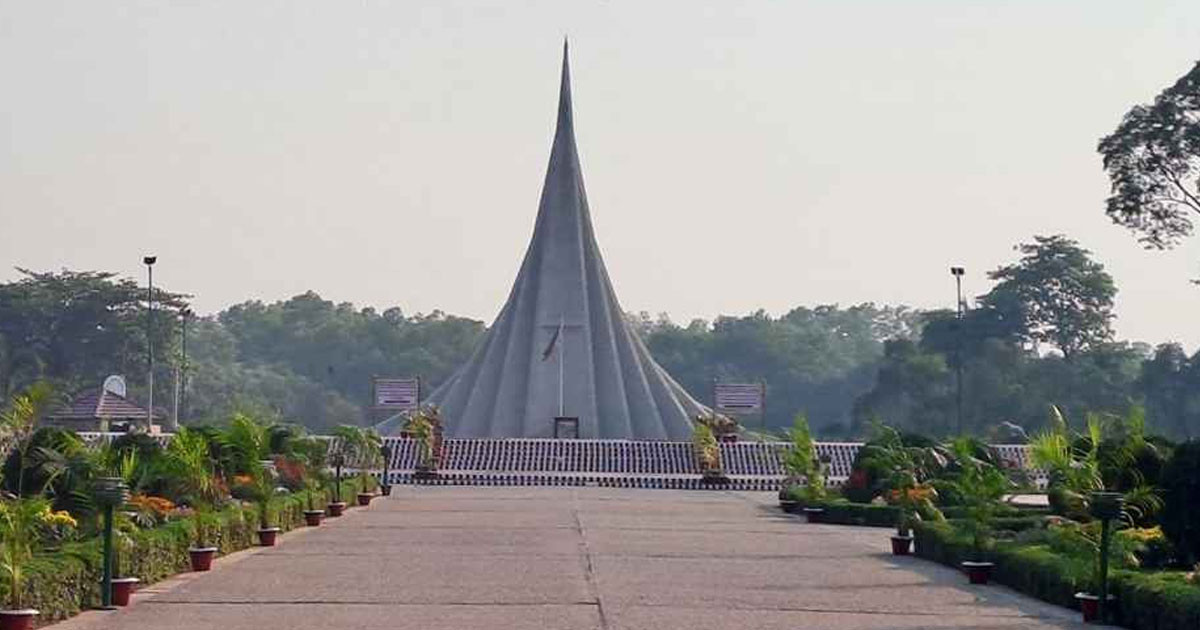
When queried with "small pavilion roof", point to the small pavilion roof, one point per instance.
{"points": [[101, 403]]}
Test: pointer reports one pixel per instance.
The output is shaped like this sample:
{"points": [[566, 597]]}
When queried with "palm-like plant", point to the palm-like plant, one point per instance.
{"points": [[708, 452], [980, 485], [17, 422], [907, 473], [22, 521], [362, 448], [1094, 461], [424, 426], [188, 460], [801, 460]]}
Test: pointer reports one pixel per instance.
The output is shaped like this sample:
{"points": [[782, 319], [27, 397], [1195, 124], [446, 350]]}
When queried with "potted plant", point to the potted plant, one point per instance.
{"points": [[264, 504], [20, 517], [22, 521], [708, 454], [805, 467], [905, 474], [308, 472], [980, 486], [361, 447], [189, 461], [204, 526], [425, 428], [312, 516], [122, 587], [336, 506]]}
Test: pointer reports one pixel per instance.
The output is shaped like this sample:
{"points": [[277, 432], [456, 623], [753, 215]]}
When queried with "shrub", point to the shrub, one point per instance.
{"points": [[1145, 600], [1181, 489]]}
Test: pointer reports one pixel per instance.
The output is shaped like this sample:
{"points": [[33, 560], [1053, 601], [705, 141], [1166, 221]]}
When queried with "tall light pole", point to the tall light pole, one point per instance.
{"points": [[958, 272], [186, 314], [149, 262]]}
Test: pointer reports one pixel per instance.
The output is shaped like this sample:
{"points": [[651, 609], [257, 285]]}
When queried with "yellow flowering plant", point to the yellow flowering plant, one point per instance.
{"points": [[23, 523]]}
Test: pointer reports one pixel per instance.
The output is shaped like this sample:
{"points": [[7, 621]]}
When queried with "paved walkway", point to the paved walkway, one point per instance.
{"points": [[434, 558]]}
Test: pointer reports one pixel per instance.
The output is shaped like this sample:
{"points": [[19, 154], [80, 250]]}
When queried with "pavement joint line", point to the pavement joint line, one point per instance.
{"points": [[322, 602], [586, 557], [846, 611]]}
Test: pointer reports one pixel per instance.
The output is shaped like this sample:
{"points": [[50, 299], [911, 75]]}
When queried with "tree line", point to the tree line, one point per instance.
{"points": [[1041, 336]]}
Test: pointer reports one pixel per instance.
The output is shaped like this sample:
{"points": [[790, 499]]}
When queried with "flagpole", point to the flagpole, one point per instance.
{"points": [[562, 356]]}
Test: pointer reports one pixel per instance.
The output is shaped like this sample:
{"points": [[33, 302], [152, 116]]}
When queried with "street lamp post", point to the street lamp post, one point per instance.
{"points": [[187, 314], [958, 272], [149, 262]]}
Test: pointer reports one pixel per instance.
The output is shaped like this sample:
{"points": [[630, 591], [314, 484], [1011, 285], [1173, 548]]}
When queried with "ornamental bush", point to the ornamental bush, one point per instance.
{"points": [[1181, 501]]}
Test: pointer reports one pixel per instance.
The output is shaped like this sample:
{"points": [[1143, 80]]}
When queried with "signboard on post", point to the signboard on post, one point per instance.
{"points": [[739, 398], [396, 394]]}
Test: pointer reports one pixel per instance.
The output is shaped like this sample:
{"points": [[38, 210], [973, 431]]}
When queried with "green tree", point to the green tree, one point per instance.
{"points": [[75, 328], [1153, 162], [1063, 297]]}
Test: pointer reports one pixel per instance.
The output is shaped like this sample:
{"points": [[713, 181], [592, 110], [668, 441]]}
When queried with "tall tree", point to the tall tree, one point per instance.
{"points": [[74, 328], [1062, 296], [1153, 162]]}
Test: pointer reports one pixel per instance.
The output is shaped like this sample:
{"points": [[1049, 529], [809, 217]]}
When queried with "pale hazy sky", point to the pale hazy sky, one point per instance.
{"points": [[737, 155]]}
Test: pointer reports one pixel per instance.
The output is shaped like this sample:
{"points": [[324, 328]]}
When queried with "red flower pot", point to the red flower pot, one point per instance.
{"points": [[17, 619], [267, 535], [364, 498], [978, 572], [122, 589], [901, 545], [1089, 605], [312, 518], [202, 558], [336, 509]]}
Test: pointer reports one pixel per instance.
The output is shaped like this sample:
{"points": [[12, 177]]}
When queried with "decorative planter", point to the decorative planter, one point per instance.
{"points": [[17, 619], [789, 505], [1107, 506], [364, 498], [978, 572], [122, 588], [385, 490], [901, 545], [813, 515], [1089, 605], [202, 558], [267, 535], [336, 508], [312, 518], [713, 479]]}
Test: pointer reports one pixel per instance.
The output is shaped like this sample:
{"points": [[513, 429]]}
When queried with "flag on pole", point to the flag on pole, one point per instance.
{"points": [[553, 342]]}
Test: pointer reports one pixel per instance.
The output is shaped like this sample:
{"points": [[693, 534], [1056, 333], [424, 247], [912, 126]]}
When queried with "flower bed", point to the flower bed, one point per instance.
{"points": [[1159, 600], [65, 582]]}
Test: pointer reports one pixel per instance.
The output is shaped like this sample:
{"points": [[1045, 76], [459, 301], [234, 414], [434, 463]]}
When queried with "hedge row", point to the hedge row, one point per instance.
{"points": [[1145, 601], [65, 582], [842, 512]]}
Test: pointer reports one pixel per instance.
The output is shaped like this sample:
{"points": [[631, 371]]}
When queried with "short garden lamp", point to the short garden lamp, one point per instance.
{"points": [[109, 492], [1105, 507], [385, 485]]}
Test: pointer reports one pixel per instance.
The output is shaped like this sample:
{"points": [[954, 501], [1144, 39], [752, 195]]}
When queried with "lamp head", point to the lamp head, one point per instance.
{"points": [[957, 271], [149, 260]]}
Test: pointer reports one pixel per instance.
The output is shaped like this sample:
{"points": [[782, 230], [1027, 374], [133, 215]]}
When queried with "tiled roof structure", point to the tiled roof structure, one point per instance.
{"points": [[101, 403]]}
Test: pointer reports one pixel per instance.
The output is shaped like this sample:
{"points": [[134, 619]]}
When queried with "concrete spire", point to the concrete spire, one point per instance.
{"points": [[561, 340]]}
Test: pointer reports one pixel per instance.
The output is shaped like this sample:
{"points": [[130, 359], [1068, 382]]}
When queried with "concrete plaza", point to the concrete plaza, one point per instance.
{"points": [[435, 558]]}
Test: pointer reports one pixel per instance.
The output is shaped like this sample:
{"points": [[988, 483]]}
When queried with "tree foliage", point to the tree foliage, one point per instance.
{"points": [[1153, 162], [1055, 294]]}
